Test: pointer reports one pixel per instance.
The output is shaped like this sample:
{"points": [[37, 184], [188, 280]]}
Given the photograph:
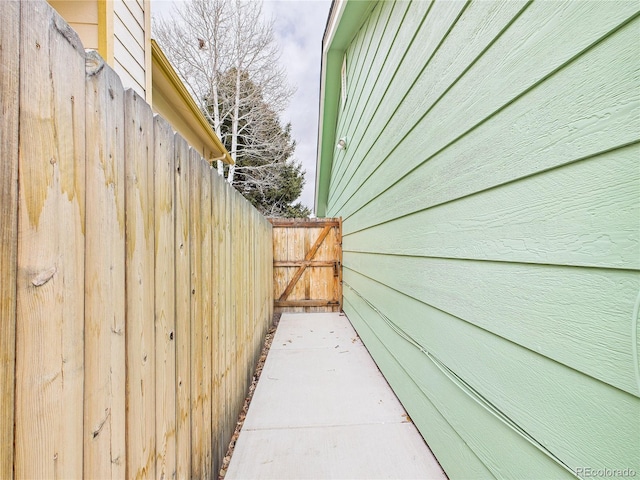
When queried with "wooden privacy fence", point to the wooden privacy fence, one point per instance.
{"points": [[136, 285], [307, 264]]}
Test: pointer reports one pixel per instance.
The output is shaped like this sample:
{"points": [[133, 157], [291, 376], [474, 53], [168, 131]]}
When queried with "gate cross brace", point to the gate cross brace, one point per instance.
{"points": [[310, 254]]}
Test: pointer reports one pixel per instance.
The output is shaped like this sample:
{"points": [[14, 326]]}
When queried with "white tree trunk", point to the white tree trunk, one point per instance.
{"points": [[217, 123], [234, 123]]}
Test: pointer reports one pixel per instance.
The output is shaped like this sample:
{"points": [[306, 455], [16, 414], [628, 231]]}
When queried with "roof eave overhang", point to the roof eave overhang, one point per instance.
{"points": [[176, 92]]}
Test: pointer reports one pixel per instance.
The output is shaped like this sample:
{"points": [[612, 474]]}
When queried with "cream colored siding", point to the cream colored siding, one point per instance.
{"points": [[82, 16], [129, 44]]}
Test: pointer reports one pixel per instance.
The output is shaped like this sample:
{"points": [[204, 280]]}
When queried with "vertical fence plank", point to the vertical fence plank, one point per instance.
{"points": [[338, 284], [320, 279], [241, 302], [205, 297], [222, 352], [240, 290], [9, 87], [164, 194], [261, 285], [254, 264], [296, 251], [248, 304], [50, 289], [216, 411], [268, 270], [228, 322], [183, 310], [235, 250], [140, 284], [306, 279], [281, 275], [196, 313], [104, 393], [235, 290], [266, 253], [222, 329], [256, 261]]}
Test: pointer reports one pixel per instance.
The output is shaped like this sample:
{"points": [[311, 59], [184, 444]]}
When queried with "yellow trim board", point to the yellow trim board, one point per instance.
{"points": [[148, 60], [105, 30]]}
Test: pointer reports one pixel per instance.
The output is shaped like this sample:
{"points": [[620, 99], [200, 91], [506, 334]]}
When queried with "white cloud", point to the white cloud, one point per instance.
{"points": [[299, 26]]}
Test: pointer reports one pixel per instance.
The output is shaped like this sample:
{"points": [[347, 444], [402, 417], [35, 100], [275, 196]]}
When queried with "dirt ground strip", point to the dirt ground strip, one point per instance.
{"points": [[247, 401]]}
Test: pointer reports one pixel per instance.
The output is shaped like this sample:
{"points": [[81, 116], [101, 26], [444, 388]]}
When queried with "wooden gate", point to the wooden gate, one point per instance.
{"points": [[307, 264]]}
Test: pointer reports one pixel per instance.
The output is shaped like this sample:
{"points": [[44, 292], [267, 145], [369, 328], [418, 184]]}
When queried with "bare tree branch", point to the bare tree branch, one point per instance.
{"points": [[228, 58]]}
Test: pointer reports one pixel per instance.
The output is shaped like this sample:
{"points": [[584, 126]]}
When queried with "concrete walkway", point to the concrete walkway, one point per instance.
{"points": [[322, 410]]}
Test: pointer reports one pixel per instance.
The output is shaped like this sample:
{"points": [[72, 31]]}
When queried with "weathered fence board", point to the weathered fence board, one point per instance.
{"points": [[230, 313], [165, 302], [129, 332], [195, 235], [104, 393], [50, 288], [217, 184], [183, 309], [9, 95], [140, 281], [233, 330], [206, 285], [225, 302]]}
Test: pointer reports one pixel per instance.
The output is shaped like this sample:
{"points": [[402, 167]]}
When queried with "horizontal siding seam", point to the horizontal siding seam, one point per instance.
{"points": [[330, 203], [462, 385], [122, 67], [492, 187], [360, 63], [126, 26], [136, 60], [492, 260], [488, 117], [133, 15], [427, 63], [126, 70], [411, 379], [352, 114], [404, 294], [352, 56], [635, 334], [356, 83]]}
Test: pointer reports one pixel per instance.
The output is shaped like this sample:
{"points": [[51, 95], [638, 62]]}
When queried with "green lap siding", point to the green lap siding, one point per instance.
{"points": [[490, 196]]}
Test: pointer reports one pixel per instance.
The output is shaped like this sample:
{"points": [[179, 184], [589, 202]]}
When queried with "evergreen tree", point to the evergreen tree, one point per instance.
{"points": [[265, 172]]}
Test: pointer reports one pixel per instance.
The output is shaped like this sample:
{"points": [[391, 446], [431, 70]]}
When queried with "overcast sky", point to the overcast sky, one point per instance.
{"points": [[299, 26]]}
